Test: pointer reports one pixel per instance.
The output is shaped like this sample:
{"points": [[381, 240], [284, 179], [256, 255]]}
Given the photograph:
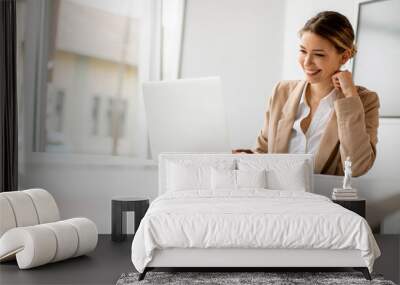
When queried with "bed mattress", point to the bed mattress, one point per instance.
{"points": [[250, 219]]}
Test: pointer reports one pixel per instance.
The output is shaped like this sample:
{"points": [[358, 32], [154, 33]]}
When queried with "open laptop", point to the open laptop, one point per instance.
{"points": [[186, 115]]}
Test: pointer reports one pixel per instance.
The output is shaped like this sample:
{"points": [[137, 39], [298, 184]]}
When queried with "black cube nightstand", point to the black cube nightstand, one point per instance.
{"points": [[357, 205], [119, 207]]}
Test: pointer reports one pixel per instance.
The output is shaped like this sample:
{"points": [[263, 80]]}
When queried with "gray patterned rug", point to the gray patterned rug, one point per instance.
{"points": [[270, 278]]}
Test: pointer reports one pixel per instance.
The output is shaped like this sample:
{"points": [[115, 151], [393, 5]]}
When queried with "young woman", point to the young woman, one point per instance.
{"points": [[326, 114]]}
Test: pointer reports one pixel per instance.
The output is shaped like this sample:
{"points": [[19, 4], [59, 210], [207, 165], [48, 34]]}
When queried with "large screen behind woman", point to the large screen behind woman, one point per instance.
{"points": [[377, 63]]}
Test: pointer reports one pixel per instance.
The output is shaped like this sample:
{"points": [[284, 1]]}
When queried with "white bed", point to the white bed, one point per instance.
{"points": [[248, 227]]}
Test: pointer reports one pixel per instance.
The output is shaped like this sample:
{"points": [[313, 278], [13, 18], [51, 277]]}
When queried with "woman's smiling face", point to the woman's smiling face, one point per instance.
{"points": [[318, 58]]}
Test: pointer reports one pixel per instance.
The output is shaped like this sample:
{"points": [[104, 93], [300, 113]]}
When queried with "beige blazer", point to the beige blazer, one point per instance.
{"points": [[351, 131]]}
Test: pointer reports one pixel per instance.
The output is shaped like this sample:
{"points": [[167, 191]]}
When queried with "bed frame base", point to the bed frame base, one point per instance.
{"points": [[364, 270], [143, 274], [250, 259]]}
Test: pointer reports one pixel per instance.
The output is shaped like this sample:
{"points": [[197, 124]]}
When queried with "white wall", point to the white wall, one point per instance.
{"points": [[84, 187], [240, 41]]}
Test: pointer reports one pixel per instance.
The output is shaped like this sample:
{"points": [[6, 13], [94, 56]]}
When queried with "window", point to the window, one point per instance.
{"points": [[87, 47], [116, 109], [378, 42], [95, 115], [90, 58], [55, 110], [54, 120]]}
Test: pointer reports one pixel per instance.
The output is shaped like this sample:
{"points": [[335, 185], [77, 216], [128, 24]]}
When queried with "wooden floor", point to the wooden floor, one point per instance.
{"points": [[103, 266], [111, 259]]}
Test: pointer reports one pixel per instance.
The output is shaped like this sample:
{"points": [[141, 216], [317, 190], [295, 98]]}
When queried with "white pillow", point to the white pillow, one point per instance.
{"points": [[237, 179], [188, 175], [293, 179], [251, 178], [281, 174], [223, 179]]}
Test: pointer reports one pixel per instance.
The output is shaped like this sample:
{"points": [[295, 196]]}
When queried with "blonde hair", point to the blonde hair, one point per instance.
{"points": [[334, 27]]}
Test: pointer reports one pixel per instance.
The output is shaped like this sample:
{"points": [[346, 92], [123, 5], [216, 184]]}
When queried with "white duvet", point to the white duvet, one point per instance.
{"points": [[250, 219]]}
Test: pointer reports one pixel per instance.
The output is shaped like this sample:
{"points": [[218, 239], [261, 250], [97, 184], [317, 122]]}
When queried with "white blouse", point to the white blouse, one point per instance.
{"points": [[309, 142]]}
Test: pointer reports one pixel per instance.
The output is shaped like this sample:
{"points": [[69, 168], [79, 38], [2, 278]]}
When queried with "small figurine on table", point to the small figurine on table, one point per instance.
{"points": [[347, 174], [347, 192]]}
